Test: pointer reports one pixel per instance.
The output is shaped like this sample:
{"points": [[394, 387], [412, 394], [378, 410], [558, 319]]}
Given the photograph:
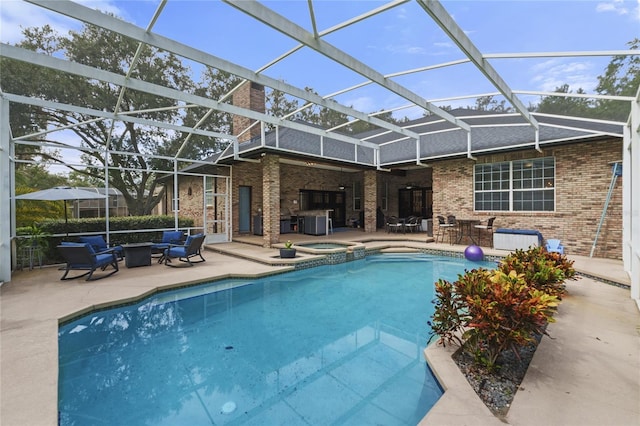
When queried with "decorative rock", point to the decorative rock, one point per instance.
{"points": [[473, 253]]}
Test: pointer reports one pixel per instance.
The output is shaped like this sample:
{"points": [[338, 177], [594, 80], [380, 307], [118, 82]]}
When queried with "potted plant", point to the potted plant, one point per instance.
{"points": [[288, 252]]}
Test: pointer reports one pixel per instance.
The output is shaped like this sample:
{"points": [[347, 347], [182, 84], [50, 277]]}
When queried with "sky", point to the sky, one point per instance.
{"points": [[402, 38]]}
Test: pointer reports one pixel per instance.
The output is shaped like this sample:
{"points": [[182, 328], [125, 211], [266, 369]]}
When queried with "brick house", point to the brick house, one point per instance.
{"points": [[555, 180]]}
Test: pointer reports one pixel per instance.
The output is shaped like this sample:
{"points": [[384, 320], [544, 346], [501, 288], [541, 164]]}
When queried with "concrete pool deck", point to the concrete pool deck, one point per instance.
{"points": [[589, 373]]}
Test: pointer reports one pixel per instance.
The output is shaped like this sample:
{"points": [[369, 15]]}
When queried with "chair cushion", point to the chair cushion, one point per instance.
{"points": [[104, 259], [95, 240], [176, 252], [83, 244], [173, 237]]}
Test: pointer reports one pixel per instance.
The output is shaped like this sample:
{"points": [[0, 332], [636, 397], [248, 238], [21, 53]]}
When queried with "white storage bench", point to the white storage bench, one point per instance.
{"points": [[514, 239]]}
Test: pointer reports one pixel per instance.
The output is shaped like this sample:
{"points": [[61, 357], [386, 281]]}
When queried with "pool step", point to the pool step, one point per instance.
{"points": [[400, 250]]}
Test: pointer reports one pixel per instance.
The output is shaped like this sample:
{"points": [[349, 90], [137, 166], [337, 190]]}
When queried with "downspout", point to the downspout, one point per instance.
{"points": [[469, 156], [537, 130]]}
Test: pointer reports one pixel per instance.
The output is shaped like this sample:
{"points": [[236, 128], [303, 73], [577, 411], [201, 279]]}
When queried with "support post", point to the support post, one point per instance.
{"points": [[270, 200], [6, 210], [370, 200]]}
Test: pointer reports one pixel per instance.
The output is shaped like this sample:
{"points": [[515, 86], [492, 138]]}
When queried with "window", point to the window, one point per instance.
{"points": [[357, 196], [385, 196], [522, 185], [208, 191]]}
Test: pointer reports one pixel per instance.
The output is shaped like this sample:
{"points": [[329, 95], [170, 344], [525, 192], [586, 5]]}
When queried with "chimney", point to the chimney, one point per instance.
{"points": [[250, 96]]}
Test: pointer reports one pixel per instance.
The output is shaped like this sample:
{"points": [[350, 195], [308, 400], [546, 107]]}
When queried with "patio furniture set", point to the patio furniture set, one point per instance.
{"points": [[464, 230], [404, 225], [92, 253]]}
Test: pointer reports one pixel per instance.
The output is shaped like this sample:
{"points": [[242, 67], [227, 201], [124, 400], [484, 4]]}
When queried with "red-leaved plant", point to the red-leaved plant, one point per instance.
{"points": [[487, 312], [541, 269]]}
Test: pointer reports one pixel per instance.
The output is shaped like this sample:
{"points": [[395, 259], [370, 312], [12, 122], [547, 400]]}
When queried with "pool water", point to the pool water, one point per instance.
{"points": [[337, 344]]}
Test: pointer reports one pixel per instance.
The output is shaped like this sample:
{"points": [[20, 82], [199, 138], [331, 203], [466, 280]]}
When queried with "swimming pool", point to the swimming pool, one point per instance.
{"points": [[337, 344]]}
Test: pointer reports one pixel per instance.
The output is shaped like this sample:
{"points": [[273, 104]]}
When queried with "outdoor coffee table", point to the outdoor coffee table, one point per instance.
{"points": [[137, 254]]}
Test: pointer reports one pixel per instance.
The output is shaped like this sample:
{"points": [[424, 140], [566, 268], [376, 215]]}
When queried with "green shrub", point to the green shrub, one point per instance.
{"points": [[449, 317], [504, 313], [542, 270], [487, 312], [98, 226]]}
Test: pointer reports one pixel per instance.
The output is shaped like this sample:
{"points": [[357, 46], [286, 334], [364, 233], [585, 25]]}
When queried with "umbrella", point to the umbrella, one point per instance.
{"points": [[61, 193]]}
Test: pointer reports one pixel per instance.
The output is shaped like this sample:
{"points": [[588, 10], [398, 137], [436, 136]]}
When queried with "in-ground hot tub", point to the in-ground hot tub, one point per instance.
{"points": [[337, 248], [516, 239]]}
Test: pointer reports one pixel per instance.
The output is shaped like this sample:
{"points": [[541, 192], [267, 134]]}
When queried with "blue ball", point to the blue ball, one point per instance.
{"points": [[473, 253]]}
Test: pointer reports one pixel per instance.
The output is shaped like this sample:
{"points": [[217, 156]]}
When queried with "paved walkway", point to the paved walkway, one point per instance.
{"points": [[588, 374]]}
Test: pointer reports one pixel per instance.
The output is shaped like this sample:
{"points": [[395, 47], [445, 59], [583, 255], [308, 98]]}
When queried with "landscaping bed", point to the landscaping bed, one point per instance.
{"points": [[497, 388], [497, 318]]}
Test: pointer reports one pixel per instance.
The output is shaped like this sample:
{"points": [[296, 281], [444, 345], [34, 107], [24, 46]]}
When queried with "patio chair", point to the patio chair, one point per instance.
{"points": [[445, 228], [168, 237], [412, 224], [486, 229], [184, 253], [554, 245], [394, 224], [30, 251], [98, 244], [82, 257]]}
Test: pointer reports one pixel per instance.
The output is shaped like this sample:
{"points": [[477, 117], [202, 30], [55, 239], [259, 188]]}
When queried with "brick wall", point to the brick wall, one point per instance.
{"points": [[271, 199], [583, 175], [370, 189], [293, 178], [250, 96], [191, 194]]}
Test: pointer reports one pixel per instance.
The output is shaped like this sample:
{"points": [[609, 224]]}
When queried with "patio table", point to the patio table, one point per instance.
{"points": [[465, 228]]}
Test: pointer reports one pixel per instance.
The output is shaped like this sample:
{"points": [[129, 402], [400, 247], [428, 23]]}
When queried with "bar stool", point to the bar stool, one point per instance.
{"points": [[330, 225], [30, 254]]}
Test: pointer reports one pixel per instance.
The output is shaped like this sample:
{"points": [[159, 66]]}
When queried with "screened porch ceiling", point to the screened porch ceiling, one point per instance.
{"points": [[405, 145]]}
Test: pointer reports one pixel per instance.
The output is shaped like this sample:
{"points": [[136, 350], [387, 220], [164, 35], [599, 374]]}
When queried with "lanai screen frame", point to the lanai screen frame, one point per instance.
{"points": [[259, 12]]}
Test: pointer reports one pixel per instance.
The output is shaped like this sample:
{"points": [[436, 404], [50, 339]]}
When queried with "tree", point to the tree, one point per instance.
{"points": [[136, 177], [312, 112], [30, 178], [17, 77], [621, 78], [488, 103], [571, 106], [82, 180], [359, 126], [214, 84], [279, 105]]}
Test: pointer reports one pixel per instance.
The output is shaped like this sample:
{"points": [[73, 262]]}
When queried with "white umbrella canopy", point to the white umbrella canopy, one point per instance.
{"points": [[61, 193]]}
